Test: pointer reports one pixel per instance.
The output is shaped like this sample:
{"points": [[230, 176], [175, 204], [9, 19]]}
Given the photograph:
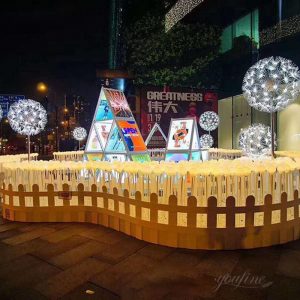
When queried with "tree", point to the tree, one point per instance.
{"points": [[179, 57]]}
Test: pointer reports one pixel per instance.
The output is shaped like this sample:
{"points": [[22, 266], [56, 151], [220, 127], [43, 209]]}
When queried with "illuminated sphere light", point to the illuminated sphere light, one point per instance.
{"points": [[271, 84], [79, 133], [209, 121], [206, 141], [255, 140], [27, 117]]}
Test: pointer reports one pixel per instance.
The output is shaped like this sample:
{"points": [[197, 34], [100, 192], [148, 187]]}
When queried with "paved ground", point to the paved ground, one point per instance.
{"points": [[84, 261]]}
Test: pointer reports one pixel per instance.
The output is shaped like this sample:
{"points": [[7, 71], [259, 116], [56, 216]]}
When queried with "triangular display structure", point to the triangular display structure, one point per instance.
{"points": [[114, 134], [183, 140], [154, 129]]}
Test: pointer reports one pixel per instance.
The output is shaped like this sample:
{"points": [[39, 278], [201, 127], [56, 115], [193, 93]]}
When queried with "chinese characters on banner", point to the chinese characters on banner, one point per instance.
{"points": [[159, 106]]}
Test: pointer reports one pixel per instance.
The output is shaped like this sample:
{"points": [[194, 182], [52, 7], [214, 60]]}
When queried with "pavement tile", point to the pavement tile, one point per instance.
{"points": [[96, 232], [81, 293], [77, 254], [18, 267], [8, 233], [10, 226], [155, 251], [284, 288], [117, 252], [250, 261], [21, 294], [215, 263], [27, 236], [289, 264], [117, 276], [110, 237], [8, 252], [179, 287], [66, 281], [50, 250], [64, 233], [31, 272]]}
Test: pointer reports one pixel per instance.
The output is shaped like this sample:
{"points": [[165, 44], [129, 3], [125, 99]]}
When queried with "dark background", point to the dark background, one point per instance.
{"points": [[57, 42]]}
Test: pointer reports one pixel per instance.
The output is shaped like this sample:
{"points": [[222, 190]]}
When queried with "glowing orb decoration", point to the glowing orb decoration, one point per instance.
{"points": [[206, 141], [79, 133], [27, 117], [255, 140], [209, 121], [271, 84]]}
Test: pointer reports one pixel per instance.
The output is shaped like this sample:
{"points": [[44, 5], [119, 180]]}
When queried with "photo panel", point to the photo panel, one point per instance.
{"points": [[132, 136], [141, 157], [176, 157], [180, 134], [93, 143], [103, 129], [118, 103], [115, 142]]}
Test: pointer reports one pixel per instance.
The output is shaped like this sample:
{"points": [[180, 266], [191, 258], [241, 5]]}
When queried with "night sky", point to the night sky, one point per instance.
{"points": [[58, 42]]}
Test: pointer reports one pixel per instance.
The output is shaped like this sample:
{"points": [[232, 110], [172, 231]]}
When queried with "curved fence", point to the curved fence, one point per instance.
{"points": [[169, 223], [223, 204]]}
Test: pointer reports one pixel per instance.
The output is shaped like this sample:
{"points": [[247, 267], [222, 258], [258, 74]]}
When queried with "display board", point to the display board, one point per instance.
{"points": [[183, 140], [159, 105], [156, 137], [114, 134]]}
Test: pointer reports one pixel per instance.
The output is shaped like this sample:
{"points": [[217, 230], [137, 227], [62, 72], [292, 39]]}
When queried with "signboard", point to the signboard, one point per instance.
{"points": [[183, 140], [132, 136], [180, 134], [114, 134], [103, 130], [159, 106], [7, 100]]}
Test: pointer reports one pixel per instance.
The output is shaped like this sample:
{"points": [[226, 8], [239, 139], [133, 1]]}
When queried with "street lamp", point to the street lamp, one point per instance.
{"points": [[42, 87]]}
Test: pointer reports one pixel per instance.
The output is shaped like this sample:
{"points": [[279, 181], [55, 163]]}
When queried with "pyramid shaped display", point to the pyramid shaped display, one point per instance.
{"points": [[183, 140], [156, 137], [114, 134]]}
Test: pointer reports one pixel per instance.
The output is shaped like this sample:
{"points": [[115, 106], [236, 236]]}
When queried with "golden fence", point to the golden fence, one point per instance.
{"points": [[68, 156], [16, 158], [170, 223], [223, 204]]}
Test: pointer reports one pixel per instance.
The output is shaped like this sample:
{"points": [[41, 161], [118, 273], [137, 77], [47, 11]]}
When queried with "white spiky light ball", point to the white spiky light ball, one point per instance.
{"points": [[206, 141], [27, 117], [209, 121], [271, 84], [79, 133], [255, 140]]}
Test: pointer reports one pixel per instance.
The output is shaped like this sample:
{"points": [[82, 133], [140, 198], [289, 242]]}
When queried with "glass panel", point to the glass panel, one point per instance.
{"points": [[225, 127], [242, 27], [226, 39], [241, 118], [255, 28]]}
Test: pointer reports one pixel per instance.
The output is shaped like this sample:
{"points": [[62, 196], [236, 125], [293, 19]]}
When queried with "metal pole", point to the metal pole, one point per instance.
{"points": [[78, 145], [272, 134], [28, 137]]}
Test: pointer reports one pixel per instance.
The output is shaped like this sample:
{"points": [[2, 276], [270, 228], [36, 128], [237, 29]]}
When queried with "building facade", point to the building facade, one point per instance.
{"points": [[251, 30]]}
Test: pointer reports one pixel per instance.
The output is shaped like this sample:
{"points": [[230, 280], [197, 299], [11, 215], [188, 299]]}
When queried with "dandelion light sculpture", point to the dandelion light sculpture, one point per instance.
{"points": [[27, 117], [206, 141], [209, 121], [79, 134], [1, 113], [255, 140], [271, 85]]}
